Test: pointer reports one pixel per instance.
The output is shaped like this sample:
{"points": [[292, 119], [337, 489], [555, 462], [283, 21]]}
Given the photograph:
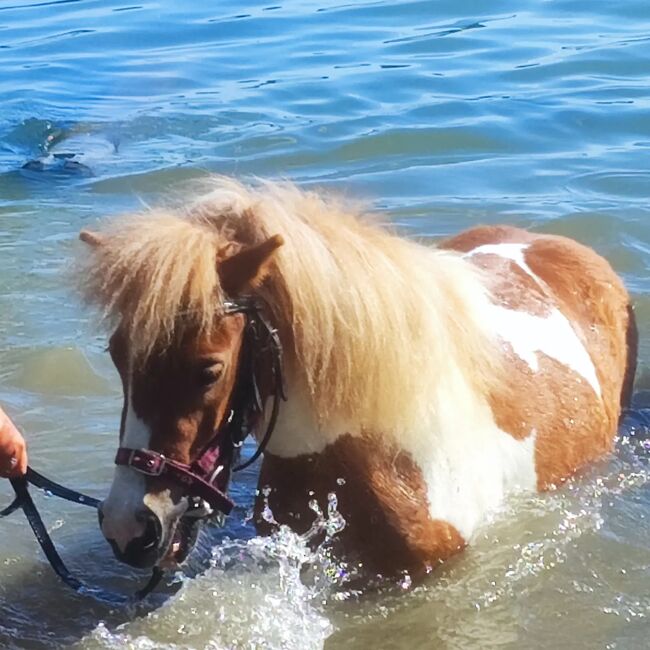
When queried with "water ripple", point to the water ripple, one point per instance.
{"points": [[532, 113]]}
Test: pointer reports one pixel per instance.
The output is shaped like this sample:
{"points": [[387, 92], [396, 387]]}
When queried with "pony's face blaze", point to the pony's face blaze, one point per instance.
{"points": [[174, 402]]}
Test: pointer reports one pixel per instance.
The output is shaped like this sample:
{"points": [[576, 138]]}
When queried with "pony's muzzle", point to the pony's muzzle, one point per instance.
{"points": [[141, 551]]}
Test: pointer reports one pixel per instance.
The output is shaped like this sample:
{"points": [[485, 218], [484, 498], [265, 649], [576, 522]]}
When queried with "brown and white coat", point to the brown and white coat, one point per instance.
{"points": [[568, 341], [425, 384]]}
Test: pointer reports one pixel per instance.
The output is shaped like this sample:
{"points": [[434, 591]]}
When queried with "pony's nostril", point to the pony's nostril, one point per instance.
{"points": [[150, 538], [152, 532], [142, 549]]}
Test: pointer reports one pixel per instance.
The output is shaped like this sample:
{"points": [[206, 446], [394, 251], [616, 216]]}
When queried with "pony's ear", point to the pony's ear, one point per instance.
{"points": [[248, 268], [91, 238]]}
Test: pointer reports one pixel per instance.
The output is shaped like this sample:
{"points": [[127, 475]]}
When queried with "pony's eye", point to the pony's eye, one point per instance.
{"points": [[210, 374]]}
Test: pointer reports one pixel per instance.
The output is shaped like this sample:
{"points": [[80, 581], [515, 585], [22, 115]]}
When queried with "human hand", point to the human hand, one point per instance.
{"points": [[13, 451]]}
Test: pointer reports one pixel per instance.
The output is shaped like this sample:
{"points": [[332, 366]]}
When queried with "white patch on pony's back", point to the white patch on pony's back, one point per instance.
{"points": [[514, 252], [552, 335], [125, 499], [530, 335]]}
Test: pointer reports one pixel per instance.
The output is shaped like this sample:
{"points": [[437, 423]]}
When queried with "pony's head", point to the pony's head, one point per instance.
{"points": [[166, 282]]}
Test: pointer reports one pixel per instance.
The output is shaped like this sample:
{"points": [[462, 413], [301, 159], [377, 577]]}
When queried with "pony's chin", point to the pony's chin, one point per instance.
{"points": [[182, 543]]}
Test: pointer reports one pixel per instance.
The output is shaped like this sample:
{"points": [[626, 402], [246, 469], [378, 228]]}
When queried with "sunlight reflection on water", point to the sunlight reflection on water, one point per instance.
{"points": [[443, 114]]}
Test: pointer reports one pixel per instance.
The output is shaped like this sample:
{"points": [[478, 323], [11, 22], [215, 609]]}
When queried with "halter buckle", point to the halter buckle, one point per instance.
{"points": [[149, 463]]}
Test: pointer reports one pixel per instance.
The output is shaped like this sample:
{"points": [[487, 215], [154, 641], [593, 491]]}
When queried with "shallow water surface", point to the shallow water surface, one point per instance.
{"points": [[444, 115]]}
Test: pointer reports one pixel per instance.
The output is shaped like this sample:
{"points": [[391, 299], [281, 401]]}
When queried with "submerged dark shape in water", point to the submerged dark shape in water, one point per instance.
{"points": [[71, 153], [59, 164]]}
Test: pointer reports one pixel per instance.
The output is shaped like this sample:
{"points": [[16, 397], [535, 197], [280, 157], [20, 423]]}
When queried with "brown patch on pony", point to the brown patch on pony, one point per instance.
{"points": [[577, 432], [516, 404], [381, 495], [551, 402], [468, 240], [573, 425], [561, 409], [593, 298]]}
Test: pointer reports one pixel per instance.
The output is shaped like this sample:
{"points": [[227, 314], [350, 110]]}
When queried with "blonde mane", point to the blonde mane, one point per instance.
{"points": [[372, 323]]}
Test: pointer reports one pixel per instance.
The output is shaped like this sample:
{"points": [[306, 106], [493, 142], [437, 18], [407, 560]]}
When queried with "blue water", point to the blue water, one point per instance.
{"points": [[443, 115]]}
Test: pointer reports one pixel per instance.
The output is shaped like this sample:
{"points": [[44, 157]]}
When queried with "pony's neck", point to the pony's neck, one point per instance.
{"points": [[375, 327], [379, 331], [435, 418], [298, 430]]}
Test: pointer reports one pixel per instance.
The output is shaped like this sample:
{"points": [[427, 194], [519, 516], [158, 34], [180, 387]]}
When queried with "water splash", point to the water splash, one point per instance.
{"points": [[265, 592], [540, 551], [267, 514]]}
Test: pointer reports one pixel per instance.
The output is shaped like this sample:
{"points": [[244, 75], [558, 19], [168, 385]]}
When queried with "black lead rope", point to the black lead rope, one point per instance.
{"points": [[24, 501]]}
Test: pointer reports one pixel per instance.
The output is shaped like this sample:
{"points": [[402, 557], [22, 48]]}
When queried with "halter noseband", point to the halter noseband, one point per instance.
{"points": [[202, 478]]}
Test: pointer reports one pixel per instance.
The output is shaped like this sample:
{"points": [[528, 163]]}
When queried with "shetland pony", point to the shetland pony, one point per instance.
{"points": [[424, 384]]}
